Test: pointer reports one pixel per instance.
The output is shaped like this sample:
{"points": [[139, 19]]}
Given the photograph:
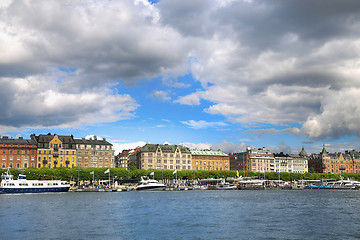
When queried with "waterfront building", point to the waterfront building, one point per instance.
{"points": [[94, 153], [209, 160], [336, 163], [55, 150], [157, 156], [253, 159], [17, 152], [291, 163], [122, 160]]}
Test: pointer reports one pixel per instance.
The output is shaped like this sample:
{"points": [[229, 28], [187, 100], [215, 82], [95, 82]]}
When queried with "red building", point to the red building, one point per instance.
{"points": [[336, 163], [18, 152]]}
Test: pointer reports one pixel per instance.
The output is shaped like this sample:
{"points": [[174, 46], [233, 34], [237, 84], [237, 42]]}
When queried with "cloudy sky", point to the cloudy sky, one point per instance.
{"points": [[221, 74]]}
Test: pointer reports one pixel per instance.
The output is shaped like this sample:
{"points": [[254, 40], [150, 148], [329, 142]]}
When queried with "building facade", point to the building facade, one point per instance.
{"points": [[55, 151], [335, 163], [209, 160], [94, 153], [253, 159], [157, 156], [123, 159], [18, 153], [291, 163]]}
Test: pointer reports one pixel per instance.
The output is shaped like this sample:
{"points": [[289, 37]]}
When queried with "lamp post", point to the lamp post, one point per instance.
{"points": [[78, 176]]}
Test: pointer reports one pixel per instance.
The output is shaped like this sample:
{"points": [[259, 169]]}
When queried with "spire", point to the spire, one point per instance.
{"points": [[324, 152]]}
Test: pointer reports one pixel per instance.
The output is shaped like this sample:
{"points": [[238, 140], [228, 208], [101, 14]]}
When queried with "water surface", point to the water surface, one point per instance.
{"points": [[307, 214]]}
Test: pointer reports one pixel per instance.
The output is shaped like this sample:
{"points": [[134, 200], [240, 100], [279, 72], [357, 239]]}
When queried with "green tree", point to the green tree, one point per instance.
{"points": [[132, 166]]}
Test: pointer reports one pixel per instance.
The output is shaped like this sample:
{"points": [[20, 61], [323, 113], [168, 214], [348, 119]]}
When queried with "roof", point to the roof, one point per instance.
{"points": [[48, 137], [92, 142], [164, 148], [208, 153], [7, 140]]}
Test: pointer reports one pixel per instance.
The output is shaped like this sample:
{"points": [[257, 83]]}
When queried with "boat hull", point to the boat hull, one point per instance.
{"points": [[33, 190], [150, 188]]}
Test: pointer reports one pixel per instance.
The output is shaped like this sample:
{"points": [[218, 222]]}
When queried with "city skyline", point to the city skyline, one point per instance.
{"points": [[204, 74]]}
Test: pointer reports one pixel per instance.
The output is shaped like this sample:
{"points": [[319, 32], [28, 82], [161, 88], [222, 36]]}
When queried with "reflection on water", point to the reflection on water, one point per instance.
{"points": [[311, 214]]}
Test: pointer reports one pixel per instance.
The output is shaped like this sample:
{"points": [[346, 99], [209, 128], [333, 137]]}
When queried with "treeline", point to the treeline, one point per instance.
{"points": [[120, 173]]}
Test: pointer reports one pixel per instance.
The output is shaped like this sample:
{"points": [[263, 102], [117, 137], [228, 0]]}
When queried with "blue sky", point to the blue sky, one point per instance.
{"points": [[205, 74]]}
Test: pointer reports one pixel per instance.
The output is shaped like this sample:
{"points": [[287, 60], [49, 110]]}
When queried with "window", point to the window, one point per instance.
{"points": [[3, 158], [3, 165], [11, 158], [18, 158], [11, 165]]}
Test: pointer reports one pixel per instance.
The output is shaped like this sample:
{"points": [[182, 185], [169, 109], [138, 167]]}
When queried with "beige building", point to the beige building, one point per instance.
{"points": [[157, 156], [291, 163], [94, 153], [209, 160], [253, 159]]}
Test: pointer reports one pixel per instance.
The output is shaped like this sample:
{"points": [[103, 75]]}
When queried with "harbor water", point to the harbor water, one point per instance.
{"points": [[286, 214]]}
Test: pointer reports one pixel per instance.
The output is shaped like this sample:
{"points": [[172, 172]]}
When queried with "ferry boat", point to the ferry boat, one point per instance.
{"points": [[22, 185], [223, 185], [149, 184]]}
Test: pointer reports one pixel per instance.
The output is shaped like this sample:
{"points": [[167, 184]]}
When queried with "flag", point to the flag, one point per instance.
{"points": [[174, 171], [152, 173], [92, 172], [107, 171]]}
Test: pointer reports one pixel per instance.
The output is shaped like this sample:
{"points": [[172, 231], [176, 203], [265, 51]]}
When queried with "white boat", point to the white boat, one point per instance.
{"points": [[223, 185], [149, 184], [22, 185]]}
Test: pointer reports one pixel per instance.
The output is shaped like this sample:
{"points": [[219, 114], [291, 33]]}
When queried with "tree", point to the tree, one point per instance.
{"points": [[132, 166]]}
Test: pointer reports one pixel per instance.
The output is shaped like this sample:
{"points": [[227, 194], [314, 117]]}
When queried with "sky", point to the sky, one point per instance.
{"points": [[215, 74]]}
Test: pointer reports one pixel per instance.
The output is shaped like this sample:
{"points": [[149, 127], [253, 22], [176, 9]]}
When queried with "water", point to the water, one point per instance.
{"points": [[307, 214]]}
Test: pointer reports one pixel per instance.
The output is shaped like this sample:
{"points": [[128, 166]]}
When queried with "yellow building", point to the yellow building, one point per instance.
{"points": [[55, 151]]}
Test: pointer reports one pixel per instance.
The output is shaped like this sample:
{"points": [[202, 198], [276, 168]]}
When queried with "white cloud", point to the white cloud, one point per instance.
{"points": [[119, 147], [272, 131], [290, 69], [224, 146], [38, 101], [340, 115], [198, 146], [191, 99], [203, 124], [162, 95]]}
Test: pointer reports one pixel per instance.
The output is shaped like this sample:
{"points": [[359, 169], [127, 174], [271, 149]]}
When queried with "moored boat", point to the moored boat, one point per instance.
{"points": [[22, 185], [223, 185], [149, 184]]}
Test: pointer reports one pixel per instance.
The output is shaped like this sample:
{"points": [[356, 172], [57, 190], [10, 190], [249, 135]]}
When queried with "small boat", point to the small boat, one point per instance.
{"points": [[333, 184], [22, 185], [149, 184], [223, 185]]}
